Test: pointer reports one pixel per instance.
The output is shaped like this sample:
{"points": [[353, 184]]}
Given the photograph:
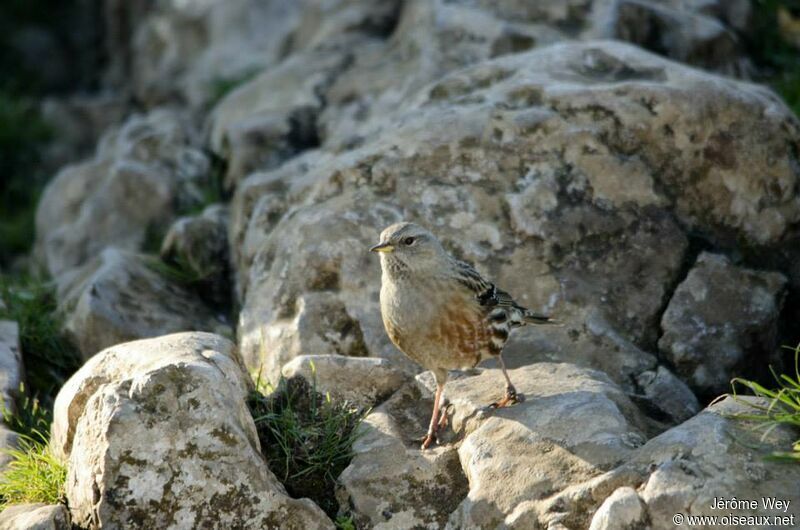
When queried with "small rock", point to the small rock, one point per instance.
{"points": [[10, 379], [317, 322], [10, 362], [722, 322], [199, 244], [390, 484], [681, 34], [117, 297], [363, 381], [158, 431], [622, 510], [35, 517]]}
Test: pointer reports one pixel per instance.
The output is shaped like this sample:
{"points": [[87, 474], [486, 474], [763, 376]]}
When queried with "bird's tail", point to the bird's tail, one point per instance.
{"points": [[534, 318]]}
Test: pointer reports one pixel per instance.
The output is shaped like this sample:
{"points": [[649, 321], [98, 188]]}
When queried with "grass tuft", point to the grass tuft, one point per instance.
{"points": [[34, 474], [30, 419], [306, 437], [783, 407], [49, 356], [345, 522]]}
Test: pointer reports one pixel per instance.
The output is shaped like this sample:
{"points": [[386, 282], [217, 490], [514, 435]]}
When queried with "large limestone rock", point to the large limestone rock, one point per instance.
{"points": [[362, 381], [574, 425], [569, 174], [35, 517], [715, 455], [721, 322], [157, 434], [122, 296], [140, 175]]}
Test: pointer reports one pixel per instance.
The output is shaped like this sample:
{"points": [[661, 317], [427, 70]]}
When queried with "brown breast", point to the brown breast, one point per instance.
{"points": [[462, 331]]}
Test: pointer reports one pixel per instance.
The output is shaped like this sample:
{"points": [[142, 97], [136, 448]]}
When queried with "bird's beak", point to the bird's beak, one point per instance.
{"points": [[382, 247]]}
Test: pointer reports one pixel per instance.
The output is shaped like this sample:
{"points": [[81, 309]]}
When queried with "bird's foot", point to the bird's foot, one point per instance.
{"points": [[443, 420], [511, 398], [429, 439]]}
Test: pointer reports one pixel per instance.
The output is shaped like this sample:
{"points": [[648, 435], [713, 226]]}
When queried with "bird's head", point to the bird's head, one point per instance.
{"points": [[409, 248]]}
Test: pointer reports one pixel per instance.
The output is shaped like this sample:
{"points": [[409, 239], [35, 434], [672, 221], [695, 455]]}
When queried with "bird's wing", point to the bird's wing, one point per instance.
{"points": [[491, 297], [485, 291]]}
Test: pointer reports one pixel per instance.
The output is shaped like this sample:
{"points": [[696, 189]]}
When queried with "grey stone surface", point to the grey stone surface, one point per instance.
{"points": [[157, 431], [35, 517], [121, 296], [722, 321]]}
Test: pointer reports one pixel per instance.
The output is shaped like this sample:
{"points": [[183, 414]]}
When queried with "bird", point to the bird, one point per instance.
{"points": [[441, 313]]}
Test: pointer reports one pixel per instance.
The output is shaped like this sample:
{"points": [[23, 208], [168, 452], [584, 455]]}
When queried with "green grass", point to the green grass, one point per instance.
{"points": [[345, 522], [30, 418], [210, 190], [34, 474], [50, 358], [178, 271], [782, 408], [306, 437]]}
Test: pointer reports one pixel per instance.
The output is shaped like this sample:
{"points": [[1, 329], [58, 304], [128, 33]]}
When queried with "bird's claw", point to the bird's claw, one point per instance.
{"points": [[443, 421], [429, 439], [511, 398]]}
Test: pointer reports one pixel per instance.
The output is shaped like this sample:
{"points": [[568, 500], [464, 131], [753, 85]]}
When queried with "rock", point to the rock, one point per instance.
{"points": [[365, 382], [122, 296], [157, 432], [721, 322], [668, 398], [696, 33], [10, 380], [192, 51], [35, 517], [198, 245], [622, 510], [683, 465], [562, 173], [78, 122], [573, 425], [10, 362], [390, 483], [273, 117], [140, 176]]}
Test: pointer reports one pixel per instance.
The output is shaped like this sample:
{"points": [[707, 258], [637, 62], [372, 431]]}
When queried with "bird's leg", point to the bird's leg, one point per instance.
{"points": [[511, 396], [443, 421], [435, 422]]}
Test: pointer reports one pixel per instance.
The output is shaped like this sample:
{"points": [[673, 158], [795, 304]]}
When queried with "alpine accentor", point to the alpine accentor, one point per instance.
{"points": [[441, 312]]}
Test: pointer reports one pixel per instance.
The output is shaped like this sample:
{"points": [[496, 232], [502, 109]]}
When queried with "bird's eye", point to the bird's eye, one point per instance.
{"points": [[408, 241]]}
